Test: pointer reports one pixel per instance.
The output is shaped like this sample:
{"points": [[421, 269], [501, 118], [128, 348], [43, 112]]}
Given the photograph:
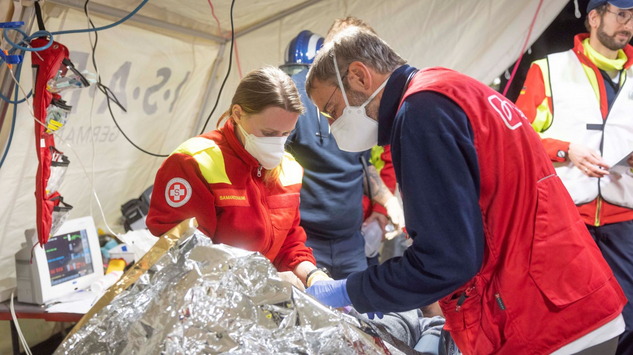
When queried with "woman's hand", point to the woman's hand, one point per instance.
{"points": [[290, 276]]}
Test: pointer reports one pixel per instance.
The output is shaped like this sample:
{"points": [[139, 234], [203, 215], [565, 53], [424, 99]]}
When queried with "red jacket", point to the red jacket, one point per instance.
{"points": [[543, 282], [213, 178], [597, 212]]}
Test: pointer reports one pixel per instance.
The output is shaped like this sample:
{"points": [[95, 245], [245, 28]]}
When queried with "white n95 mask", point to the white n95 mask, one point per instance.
{"points": [[269, 151], [354, 131]]}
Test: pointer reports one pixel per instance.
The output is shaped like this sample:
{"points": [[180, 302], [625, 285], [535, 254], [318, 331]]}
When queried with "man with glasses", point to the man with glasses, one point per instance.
{"points": [[496, 237], [581, 103]]}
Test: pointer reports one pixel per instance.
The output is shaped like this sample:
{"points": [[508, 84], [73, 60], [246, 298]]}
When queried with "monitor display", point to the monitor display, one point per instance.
{"points": [[68, 256]]}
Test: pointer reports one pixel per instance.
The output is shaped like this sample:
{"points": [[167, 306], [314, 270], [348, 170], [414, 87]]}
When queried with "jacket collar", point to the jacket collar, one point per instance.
{"points": [[229, 133], [390, 102], [580, 51]]}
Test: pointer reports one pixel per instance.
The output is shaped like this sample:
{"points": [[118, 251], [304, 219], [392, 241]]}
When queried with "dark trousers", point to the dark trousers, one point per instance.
{"points": [[616, 243], [341, 256]]}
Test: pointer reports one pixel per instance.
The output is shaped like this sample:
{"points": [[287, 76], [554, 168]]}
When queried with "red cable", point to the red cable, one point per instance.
{"points": [[216, 19], [237, 57], [527, 40]]}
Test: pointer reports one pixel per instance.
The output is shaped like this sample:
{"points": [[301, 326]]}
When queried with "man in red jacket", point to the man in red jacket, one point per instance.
{"points": [[496, 237]]}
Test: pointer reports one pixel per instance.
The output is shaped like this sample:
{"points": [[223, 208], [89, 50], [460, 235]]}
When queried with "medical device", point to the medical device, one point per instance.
{"points": [[69, 262]]}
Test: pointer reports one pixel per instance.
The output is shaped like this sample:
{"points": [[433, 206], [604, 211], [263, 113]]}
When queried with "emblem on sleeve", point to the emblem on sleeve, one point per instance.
{"points": [[177, 192]]}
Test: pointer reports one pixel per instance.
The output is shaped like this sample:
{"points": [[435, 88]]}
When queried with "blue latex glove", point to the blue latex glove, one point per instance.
{"points": [[371, 315], [332, 293]]}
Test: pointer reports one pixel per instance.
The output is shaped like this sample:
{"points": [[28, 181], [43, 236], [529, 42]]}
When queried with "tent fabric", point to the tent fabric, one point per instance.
{"points": [[161, 78]]}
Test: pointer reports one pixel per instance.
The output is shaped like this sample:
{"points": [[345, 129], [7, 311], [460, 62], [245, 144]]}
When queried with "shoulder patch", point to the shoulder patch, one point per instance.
{"points": [[209, 157], [178, 192]]}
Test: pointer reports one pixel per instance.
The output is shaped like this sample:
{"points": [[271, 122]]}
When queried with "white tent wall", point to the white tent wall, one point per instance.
{"points": [[480, 38], [160, 79]]}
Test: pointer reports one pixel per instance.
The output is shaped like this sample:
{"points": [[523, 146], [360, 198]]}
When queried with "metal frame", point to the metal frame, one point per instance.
{"points": [[21, 13], [207, 91], [105, 10]]}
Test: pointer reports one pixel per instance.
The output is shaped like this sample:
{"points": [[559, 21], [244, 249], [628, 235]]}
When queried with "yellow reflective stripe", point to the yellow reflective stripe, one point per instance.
{"points": [[545, 71], [591, 75], [209, 157], [291, 172], [376, 158], [543, 118]]}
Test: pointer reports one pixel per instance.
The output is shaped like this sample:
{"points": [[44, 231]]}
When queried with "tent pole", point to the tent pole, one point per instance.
{"points": [[207, 92], [26, 14], [116, 13], [276, 17]]}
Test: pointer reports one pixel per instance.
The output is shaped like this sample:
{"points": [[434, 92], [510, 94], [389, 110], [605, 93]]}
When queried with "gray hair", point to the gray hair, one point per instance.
{"points": [[351, 45]]}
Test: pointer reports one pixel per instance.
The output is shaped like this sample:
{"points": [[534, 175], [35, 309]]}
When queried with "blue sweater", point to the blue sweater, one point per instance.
{"points": [[436, 167], [332, 192]]}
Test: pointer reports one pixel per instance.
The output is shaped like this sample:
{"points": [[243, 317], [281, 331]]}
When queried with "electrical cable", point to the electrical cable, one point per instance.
{"points": [[14, 116], [27, 350], [227, 72], [237, 60], [95, 29], [237, 55], [109, 94], [40, 33], [527, 40]]}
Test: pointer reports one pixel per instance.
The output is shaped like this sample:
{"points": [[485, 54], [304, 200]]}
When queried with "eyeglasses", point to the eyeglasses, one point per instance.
{"points": [[623, 17], [324, 113]]}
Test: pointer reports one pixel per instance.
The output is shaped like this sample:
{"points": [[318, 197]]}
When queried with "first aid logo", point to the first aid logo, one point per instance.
{"points": [[178, 192]]}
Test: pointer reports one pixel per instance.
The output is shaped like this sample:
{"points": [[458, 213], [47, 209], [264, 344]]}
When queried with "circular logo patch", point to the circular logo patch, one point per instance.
{"points": [[177, 192]]}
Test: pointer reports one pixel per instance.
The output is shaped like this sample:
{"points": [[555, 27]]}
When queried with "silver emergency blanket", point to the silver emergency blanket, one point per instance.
{"points": [[201, 298]]}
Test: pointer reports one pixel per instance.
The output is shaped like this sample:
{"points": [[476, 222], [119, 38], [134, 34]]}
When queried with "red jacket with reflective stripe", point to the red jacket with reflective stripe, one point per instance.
{"points": [[213, 178], [543, 282]]}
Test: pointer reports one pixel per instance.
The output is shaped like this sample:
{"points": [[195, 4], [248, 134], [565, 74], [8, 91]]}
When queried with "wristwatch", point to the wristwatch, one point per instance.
{"points": [[322, 269], [561, 154]]}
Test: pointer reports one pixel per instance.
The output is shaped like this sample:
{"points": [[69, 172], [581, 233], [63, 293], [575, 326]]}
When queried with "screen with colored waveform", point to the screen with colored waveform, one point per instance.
{"points": [[68, 257]]}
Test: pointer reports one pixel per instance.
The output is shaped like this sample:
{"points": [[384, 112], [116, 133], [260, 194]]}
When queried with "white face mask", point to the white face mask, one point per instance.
{"points": [[354, 131], [269, 151]]}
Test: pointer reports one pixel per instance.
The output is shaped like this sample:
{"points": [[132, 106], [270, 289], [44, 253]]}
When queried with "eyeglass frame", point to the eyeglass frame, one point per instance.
{"points": [[325, 114], [630, 16]]}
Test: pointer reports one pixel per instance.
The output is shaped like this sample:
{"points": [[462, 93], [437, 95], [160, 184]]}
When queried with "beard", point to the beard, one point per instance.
{"points": [[357, 98], [610, 41]]}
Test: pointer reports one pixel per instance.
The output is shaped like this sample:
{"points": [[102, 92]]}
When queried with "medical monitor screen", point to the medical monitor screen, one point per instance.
{"points": [[68, 257]]}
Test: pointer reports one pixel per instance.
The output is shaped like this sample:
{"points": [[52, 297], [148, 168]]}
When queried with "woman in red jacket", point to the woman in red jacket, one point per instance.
{"points": [[237, 180]]}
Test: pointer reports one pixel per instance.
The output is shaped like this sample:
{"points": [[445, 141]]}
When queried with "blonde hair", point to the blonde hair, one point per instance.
{"points": [[263, 88]]}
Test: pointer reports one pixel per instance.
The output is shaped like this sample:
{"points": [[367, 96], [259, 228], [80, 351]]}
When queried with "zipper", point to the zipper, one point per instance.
{"points": [[500, 303], [462, 298], [262, 193], [604, 125], [598, 208]]}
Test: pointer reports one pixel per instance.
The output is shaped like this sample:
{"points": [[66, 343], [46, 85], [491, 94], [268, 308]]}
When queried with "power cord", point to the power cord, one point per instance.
{"points": [[17, 327], [227, 72], [108, 93]]}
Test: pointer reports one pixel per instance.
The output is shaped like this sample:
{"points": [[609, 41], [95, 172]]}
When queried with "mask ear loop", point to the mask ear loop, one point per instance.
{"points": [[340, 82], [382, 86]]}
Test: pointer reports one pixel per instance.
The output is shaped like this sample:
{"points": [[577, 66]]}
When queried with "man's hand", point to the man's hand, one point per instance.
{"points": [[380, 218], [588, 160], [331, 293], [290, 276]]}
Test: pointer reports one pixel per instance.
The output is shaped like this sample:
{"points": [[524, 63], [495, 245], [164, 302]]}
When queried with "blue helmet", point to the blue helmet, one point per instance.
{"points": [[303, 48]]}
